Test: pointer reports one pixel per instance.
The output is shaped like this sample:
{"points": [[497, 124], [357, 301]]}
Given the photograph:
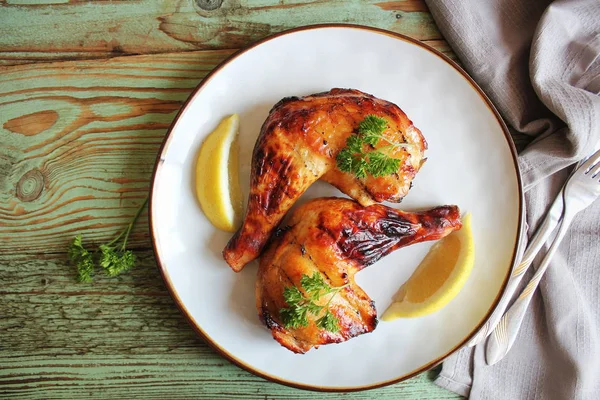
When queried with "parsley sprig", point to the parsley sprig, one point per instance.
{"points": [[114, 257], [376, 162], [82, 258], [296, 315]]}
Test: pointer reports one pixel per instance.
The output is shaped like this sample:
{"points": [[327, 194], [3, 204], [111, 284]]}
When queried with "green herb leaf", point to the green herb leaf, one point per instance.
{"points": [[360, 166], [292, 295], [116, 262], [354, 144], [294, 317], [82, 259], [356, 160], [329, 322], [371, 129], [314, 283], [381, 164], [114, 258], [300, 305], [345, 159], [314, 308]]}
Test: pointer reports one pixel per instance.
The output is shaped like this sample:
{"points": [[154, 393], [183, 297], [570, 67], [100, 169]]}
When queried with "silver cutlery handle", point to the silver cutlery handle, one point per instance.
{"points": [[505, 334], [511, 288], [534, 247]]}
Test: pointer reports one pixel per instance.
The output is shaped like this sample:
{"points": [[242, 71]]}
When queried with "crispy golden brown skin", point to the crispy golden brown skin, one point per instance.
{"points": [[298, 145], [337, 238]]}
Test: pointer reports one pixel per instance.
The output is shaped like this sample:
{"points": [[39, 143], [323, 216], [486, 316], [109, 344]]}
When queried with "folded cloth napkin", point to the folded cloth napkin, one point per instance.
{"points": [[539, 62]]}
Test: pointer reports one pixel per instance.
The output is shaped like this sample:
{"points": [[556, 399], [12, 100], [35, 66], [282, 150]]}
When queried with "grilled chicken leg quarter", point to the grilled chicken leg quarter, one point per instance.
{"points": [[298, 144], [335, 238]]}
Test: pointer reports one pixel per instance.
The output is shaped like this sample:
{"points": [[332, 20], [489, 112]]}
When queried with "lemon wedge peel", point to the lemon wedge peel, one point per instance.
{"points": [[438, 278], [217, 182]]}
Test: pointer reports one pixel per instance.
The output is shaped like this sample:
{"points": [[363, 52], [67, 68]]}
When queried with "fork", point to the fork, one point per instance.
{"points": [[582, 188]]}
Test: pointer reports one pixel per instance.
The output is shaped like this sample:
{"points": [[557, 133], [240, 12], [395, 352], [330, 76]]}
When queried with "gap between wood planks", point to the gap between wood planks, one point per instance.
{"points": [[15, 60], [102, 56]]}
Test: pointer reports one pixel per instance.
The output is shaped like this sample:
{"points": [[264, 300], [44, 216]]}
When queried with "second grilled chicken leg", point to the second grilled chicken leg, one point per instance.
{"points": [[329, 240]]}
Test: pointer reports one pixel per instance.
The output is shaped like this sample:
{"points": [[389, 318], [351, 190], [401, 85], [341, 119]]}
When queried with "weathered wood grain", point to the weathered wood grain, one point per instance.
{"points": [[50, 30], [79, 144], [122, 338], [79, 141]]}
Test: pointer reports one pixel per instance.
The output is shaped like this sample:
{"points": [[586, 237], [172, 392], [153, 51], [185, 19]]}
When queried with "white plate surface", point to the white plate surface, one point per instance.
{"points": [[470, 163]]}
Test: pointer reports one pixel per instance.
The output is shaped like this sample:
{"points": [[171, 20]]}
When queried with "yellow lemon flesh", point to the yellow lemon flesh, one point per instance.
{"points": [[438, 279], [217, 185]]}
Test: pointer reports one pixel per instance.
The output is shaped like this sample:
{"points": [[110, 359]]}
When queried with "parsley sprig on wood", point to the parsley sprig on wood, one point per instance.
{"points": [[360, 157], [114, 257], [300, 305]]}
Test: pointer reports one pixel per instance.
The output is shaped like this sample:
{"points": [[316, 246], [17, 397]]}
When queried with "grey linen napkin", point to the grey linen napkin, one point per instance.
{"points": [[539, 62]]}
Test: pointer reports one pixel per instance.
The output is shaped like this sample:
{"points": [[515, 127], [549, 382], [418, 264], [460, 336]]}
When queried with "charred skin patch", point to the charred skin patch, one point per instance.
{"points": [[284, 101], [366, 235], [281, 231], [274, 175], [294, 121], [267, 319]]}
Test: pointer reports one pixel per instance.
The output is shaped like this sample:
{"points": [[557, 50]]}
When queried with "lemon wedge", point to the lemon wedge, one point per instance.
{"points": [[438, 279], [217, 185]]}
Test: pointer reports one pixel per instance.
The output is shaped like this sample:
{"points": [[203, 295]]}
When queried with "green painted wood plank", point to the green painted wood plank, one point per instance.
{"points": [[79, 144], [49, 30], [122, 338]]}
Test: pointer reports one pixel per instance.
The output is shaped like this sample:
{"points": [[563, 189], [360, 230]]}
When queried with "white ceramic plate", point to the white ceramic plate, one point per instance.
{"points": [[471, 163]]}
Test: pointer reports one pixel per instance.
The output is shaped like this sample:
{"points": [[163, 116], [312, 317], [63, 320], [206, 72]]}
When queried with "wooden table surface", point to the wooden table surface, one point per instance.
{"points": [[87, 92]]}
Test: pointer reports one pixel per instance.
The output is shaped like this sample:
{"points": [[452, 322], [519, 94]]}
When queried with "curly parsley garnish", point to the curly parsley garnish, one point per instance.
{"points": [[296, 315], [114, 257], [82, 258], [354, 159]]}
